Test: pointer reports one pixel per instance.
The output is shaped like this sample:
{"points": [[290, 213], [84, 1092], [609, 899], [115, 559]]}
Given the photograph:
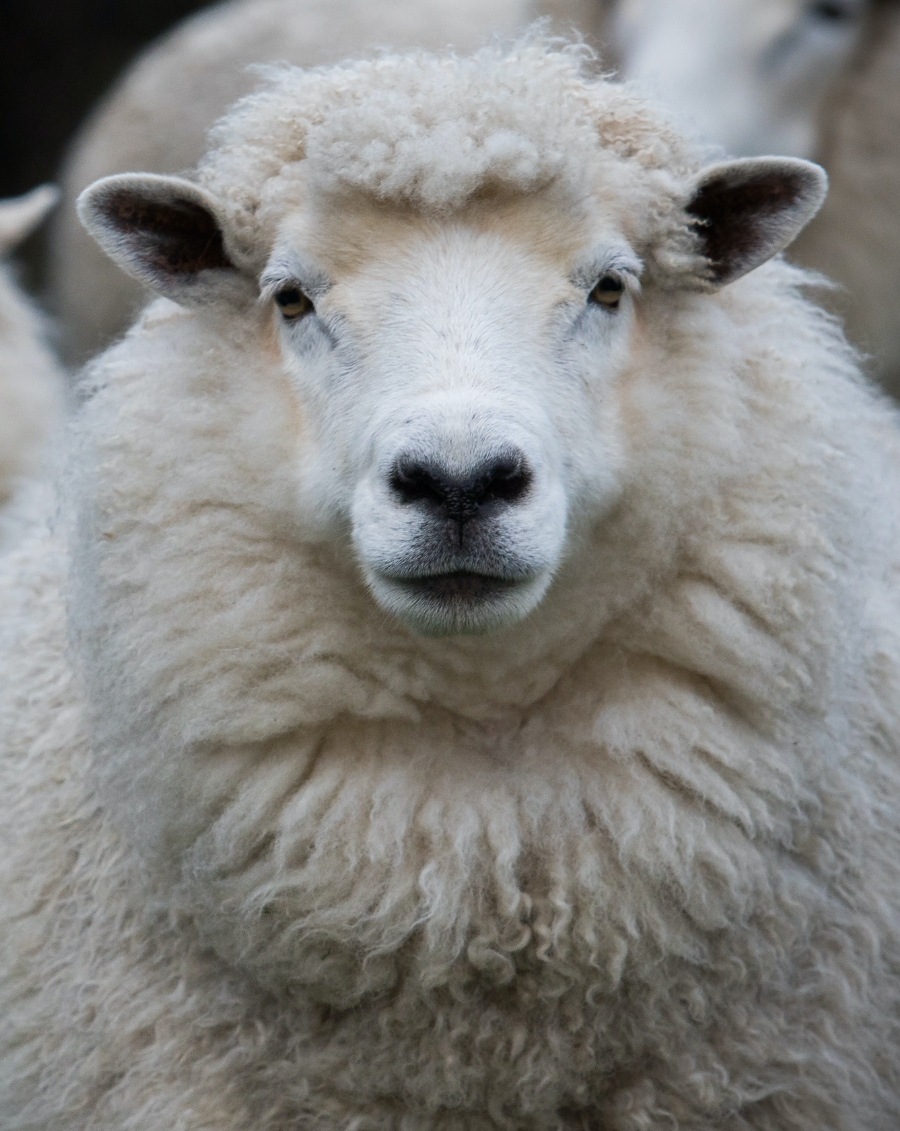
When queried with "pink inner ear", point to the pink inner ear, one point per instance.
{"points": [[173, 237], [735, 218]]}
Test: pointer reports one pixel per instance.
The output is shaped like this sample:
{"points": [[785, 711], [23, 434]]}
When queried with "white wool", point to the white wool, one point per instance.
{"points": [[270, 859], [407, 131], [399, 129]]}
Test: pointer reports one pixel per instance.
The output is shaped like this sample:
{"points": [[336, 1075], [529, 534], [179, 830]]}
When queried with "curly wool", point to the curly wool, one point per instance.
{"points": [[429, 134]]}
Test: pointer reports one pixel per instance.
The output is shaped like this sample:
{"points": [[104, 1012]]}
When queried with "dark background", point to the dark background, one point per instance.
{"points": [[56, 58]]}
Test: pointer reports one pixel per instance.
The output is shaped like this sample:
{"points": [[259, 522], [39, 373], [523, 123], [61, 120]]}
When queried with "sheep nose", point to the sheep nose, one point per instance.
{"points": [[502, 479]]}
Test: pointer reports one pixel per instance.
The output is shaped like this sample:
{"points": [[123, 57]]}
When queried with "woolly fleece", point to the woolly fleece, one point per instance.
{"points": [[269, 860]]}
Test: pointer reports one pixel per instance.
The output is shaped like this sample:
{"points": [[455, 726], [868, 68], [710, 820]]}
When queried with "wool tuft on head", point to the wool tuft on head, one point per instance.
{"points": [[423, 131], [428, 132]]}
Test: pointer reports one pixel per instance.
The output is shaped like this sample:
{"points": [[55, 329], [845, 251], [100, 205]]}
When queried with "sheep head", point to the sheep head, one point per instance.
{"points": [[454, 359], [751, 75]]}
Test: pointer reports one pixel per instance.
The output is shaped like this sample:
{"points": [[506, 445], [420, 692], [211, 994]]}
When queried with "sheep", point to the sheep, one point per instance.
{"points": [[461, 689], [30, 378], [809, 79], [157, 116]]}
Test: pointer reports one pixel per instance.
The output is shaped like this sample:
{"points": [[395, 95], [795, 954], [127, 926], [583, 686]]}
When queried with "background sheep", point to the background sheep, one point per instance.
{"points": [[487, 645], [29, 376], [811, 79], [157, 116]]}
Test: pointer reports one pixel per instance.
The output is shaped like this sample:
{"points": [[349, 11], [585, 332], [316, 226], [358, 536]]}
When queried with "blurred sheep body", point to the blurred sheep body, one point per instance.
{"points": [[30, 378], [807, 79], [156, 118], [480, 580]]}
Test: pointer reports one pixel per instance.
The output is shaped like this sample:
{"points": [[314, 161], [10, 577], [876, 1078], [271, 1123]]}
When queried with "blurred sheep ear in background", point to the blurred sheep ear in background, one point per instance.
{"points": [[31, 383], [156, 116], [804, 78], [20, 215]]}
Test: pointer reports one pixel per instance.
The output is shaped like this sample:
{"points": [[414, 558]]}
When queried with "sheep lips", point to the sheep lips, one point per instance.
{"points": [[459, 587]]}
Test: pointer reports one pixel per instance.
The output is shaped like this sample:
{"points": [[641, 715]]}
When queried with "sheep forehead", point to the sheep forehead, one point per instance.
{"points": [[431, 132], [358, 244]]}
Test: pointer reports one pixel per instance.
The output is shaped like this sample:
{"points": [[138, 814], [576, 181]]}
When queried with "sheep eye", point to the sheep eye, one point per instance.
{"points": [[293, 303], [607, 292]]}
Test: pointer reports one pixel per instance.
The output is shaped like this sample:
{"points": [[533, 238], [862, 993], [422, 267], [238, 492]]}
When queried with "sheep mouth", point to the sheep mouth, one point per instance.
{"points": [[458, 601], [460, 586]]}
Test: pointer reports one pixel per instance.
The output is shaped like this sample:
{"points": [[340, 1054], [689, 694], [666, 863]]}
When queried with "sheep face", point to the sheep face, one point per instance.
{"points": [[458, 372], [749, 74], [456, 381]]}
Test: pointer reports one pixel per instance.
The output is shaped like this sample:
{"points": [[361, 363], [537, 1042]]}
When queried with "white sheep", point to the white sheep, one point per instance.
{"points": [[30, 381], [481, 573], [157, 116], [818, 79]]}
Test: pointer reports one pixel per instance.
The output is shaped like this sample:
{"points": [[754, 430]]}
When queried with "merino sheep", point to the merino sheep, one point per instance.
{"points": [[29, 375], [810, 79], [481, 576], [157, 116]]}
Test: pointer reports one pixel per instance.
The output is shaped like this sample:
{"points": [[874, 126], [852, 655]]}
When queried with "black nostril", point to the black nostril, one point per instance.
{"points": [[504, 479], [507, 479], [414, 481]]}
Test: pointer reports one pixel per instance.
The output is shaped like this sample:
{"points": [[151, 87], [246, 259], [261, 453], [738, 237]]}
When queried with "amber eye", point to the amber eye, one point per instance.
{"points": [[608, 292], [293, 303]]}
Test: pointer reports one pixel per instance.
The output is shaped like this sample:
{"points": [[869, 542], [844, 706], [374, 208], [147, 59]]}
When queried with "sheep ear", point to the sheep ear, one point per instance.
{"points": [[746, 211], [163, 231], [20, 215]]}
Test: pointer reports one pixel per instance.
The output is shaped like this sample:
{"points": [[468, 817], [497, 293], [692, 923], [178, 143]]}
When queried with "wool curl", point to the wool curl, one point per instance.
{"points": [[428, 132]]}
